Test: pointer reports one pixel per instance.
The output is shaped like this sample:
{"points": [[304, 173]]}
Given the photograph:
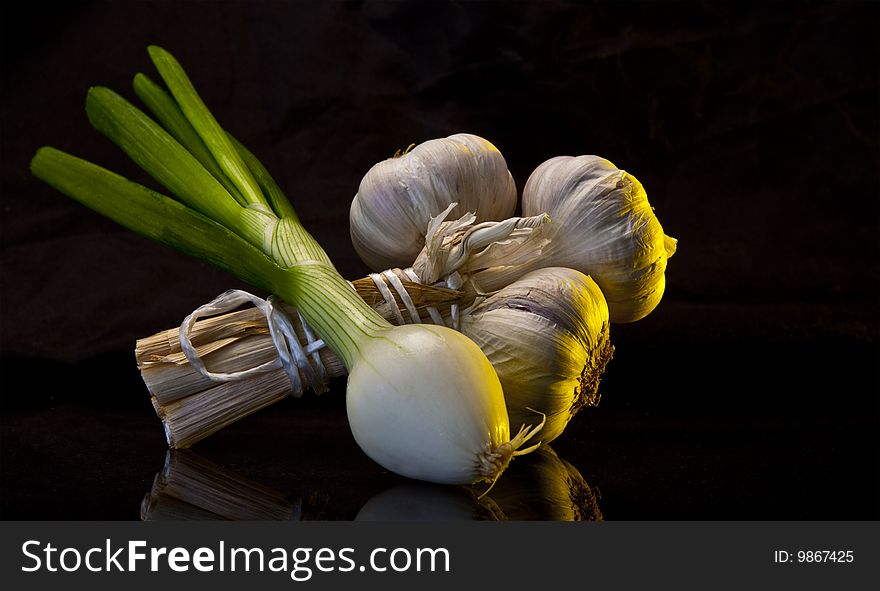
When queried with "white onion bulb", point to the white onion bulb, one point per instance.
{"points": [[424, 402]]}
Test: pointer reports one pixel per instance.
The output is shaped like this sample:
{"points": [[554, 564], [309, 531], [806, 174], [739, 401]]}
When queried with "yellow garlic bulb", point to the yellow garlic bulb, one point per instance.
{"points": [[602, 225], [547, 337], [398, 197]]}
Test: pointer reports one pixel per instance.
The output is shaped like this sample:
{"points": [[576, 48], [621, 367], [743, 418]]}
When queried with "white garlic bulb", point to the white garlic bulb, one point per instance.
{"points": [[398, 197], [547, 336], [602, 225]]}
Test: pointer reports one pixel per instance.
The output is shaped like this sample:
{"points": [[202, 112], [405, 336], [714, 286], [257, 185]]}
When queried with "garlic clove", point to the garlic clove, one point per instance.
{"points": [[603, 225], [398, 197], [547, 336]]}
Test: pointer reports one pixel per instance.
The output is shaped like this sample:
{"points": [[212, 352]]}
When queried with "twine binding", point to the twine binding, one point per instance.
{"points": [[293, 356]]}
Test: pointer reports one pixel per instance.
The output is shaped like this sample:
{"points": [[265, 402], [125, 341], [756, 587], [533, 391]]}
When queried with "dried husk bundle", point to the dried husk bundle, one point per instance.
{"points": [[192, 406]]}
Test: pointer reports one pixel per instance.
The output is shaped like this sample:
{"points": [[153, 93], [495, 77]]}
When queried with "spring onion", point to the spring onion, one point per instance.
{"points": [[423, 401]]}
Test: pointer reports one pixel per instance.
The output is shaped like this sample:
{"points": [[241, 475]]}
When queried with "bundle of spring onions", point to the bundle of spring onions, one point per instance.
{"points": [[422, 400], [521, 284], [546, 335], [541, 328]]}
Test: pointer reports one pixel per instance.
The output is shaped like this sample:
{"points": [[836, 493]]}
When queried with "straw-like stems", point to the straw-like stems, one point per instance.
{"points": [[191, 406]]}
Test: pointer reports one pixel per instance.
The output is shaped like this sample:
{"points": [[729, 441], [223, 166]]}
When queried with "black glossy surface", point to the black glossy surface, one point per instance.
{"points": [[752, 392], [770, 441]]}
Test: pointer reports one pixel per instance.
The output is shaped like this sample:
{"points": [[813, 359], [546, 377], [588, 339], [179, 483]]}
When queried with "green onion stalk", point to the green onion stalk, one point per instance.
{"points": [[422, 400]]}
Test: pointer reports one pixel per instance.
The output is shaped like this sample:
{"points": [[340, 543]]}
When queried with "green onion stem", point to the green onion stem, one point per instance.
{"points": [[277, 199], [327, 302], [166, 110], [155, 216], [333, 307], [163, 108], [210, 223], [160, 155], [206, 125]]}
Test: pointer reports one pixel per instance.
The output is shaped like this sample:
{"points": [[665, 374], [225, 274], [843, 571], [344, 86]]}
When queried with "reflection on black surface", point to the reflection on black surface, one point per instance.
{"points": [[189, 487], [538, 486], [424, 501], [542, 486]]}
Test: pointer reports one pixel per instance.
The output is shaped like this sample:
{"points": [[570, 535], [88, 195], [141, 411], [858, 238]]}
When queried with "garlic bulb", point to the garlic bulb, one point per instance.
{"points": [[602, 225], [398, 197], [547, 337]]}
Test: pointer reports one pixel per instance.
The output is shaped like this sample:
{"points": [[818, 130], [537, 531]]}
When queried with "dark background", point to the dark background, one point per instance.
{"points": [[750, 393]]}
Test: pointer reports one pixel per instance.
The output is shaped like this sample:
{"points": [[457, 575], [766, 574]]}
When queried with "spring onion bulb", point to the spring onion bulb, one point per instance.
{"points": [[422, 401]]}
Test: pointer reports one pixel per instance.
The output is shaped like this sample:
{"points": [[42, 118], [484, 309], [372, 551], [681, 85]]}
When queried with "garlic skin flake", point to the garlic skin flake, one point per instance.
{"points": [[547, 336], [602, 225], [398, 197], [489, 255]]}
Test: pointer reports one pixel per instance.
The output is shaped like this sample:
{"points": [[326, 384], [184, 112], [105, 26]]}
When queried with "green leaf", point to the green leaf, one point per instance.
{"points": [[157, 217], [195, 110], [159, 154], [163, 108], [277, 199]]}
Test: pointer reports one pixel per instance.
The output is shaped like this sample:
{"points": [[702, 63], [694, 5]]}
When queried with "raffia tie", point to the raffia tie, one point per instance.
{"points": [[293, 356], [389, 280]]}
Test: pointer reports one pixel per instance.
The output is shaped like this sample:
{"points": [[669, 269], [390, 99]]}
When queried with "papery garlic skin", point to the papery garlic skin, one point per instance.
{"points": [[398, 197], [547, 336], [425, 403], [486, 253], [602, 225]]}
